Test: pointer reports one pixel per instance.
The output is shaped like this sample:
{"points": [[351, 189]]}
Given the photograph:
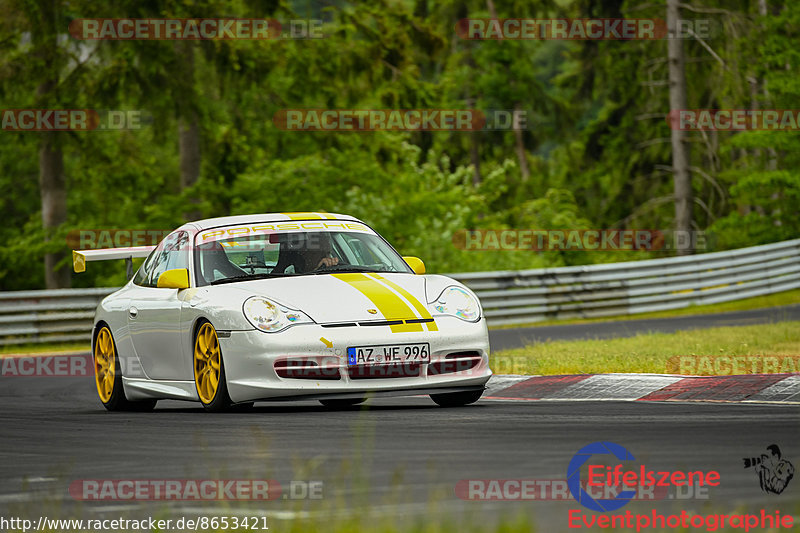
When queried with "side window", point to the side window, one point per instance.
{"points": [[144, 271], [172, 252], [178, 255]]}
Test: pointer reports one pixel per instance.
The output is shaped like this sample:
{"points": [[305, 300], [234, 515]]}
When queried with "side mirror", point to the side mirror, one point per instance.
{"points": [[416, 264], [177, 278]]}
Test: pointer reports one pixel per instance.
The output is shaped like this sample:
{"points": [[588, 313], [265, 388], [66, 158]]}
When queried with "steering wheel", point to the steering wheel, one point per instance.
{"points": [[253, 265]]}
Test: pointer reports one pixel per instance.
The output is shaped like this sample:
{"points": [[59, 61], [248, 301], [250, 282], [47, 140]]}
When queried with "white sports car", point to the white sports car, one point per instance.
{"points": [[232, 310]]}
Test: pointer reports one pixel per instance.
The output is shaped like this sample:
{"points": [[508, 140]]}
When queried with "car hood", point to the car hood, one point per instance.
{"points": [[332, 298]]}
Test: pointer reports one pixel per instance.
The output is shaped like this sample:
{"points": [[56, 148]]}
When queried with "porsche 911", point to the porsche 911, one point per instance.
{"points": [[286, 306]]}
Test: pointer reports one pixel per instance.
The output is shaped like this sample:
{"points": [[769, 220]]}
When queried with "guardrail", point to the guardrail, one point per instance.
{"points": [[59, 315], [613, 289], [508, 297]]}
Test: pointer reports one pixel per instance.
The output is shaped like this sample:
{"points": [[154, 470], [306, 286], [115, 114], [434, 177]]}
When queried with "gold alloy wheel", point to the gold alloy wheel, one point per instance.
{"points": [[207, 363], [105, 359]]}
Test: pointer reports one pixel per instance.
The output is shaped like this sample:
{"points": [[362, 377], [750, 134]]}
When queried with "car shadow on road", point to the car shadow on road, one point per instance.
{"points": [[293, 408]]}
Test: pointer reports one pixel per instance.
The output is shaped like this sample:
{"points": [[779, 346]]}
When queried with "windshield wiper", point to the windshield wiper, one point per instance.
{"points": [[347, 268], [247, 277]]}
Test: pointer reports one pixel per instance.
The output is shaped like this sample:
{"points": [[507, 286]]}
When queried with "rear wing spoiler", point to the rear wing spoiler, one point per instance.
{"points": [[80, 258]]}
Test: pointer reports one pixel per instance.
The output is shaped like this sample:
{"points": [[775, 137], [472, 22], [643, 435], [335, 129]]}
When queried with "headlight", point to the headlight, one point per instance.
{"points": [[271, 317], [459, 303]]}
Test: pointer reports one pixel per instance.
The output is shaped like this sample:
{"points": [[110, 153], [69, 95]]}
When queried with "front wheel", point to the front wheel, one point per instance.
{"points": [[209, 371], [108, 376], [457, 399]]}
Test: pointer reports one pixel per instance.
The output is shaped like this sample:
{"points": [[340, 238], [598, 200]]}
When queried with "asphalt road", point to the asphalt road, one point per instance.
{"points": [[504, 339], [396, 460]]}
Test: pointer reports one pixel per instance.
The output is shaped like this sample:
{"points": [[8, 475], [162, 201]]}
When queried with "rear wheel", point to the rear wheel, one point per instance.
{"points": [[108, 376], [339, 404], [209, 371], [457, 399]]}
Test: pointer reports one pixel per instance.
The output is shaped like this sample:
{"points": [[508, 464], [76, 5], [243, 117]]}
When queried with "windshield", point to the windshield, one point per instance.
{"points": [[239, 254]]}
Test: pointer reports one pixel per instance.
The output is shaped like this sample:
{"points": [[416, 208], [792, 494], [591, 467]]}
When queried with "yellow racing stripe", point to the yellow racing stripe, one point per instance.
{"points": [[302, 216], [421, 309], [307, 216], [390, 305]]}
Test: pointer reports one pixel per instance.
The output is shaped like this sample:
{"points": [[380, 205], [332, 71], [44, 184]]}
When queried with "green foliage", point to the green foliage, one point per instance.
{"points": [[596, 143], [763, 179]]}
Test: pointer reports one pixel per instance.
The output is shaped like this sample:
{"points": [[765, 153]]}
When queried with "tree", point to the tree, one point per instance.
{"points": [[44, 21], [681, 175]]}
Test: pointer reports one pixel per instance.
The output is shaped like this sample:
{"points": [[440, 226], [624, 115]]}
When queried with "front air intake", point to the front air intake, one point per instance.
{"points": [[306, 368], [454, 362]]}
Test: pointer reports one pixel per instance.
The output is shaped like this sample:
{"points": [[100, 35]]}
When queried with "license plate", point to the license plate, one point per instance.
{"points": [[389, 353]]}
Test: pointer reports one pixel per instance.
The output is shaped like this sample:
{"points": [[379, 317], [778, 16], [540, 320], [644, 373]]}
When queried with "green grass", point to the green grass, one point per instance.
{"points": [[44, 348], [647, 352], [758, 302]]}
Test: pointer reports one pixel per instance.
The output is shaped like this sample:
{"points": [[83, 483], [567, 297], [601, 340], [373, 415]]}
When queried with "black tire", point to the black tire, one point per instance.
{"points": [[341, 404], [118, 401], [221, 400], [457, 399]]}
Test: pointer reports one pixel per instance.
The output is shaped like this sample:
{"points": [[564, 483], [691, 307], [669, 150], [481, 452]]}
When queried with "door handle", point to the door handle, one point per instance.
{"points": [[133, 312]]}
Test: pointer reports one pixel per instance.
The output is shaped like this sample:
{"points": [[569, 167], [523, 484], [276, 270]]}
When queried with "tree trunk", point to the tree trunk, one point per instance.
{"points": [[188, 125], [519, 143], [681, 176], [475, 158], [52, 182], [474, 138], [53, 192], [189, 146]]}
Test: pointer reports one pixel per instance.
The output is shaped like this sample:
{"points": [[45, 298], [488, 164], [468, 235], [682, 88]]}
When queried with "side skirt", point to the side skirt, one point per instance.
{"points": [[143, 389]]}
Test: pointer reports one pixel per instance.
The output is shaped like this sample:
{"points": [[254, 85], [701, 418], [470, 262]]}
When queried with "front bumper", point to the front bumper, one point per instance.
{"points": [[250, 358]]}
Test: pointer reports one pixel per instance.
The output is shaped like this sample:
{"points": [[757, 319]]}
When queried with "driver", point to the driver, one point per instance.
{"points": [[319, 252]]}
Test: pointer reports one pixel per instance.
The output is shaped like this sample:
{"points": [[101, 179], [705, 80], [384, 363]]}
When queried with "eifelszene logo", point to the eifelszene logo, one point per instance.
{"points": [[774, 472], [620, 483]]}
